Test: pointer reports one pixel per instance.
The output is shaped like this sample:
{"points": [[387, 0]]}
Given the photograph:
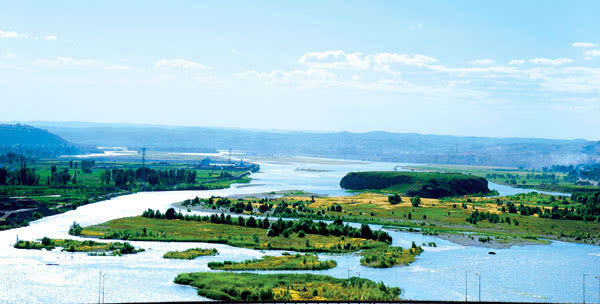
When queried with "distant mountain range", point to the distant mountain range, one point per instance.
{"points": [[28, 140], [374, 146]]}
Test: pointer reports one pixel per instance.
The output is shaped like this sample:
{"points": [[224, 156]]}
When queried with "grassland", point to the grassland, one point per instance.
{"points": [[423, 184], [284, 262], [226, 286], [389, 257], [92, 247], [446, 216], [190, 254], [150, 229]]}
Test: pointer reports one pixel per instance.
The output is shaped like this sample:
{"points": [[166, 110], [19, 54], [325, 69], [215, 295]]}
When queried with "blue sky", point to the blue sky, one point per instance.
{"points": [[482, 68]]}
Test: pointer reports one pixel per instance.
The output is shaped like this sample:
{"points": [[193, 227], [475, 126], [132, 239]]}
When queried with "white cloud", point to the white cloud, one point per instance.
{"points": [[118, 67], [65, 62], [51, 37], [483, 61], [357, 60], [557, 61], [389, 58], [334, 59], [4, 34], [591, 53], [516, 61], [179, 64], [77, 63], [584, 44], [305, 78]]}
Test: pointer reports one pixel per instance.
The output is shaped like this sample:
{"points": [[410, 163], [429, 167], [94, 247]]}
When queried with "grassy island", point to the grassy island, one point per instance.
{"points": [[91, 247], [390, 256], [284, 262], [227, 286], [423, 184], [190, 254], [304, 235]]}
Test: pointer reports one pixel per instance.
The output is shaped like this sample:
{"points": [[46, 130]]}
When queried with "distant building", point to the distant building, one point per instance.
{"points": [[209, 164]]}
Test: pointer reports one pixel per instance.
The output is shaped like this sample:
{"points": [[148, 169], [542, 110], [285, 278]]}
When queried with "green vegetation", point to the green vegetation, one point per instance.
{"points": [[284, 262], [32, 188], [514, 219], [564, 179], [239, 232], [190, 254], [423, 184], [227, 286], [92, 247], [390, 256]]}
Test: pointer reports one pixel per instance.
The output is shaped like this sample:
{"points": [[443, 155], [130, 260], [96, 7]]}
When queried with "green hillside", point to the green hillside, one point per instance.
{"points": [[28, 140], [424, 184]]}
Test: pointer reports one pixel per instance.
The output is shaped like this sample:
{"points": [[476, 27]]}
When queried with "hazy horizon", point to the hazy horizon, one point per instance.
{"points": [[42, 123]]}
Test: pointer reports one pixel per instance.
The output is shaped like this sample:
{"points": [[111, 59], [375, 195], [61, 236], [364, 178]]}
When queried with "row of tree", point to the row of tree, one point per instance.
{"points": [[127, 178], [280, 227]]}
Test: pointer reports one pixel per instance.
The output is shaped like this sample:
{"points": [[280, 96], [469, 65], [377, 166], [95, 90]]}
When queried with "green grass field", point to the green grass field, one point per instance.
{"points": [[446, 215], [190, 254], [48, 198], [389, 257], [150, 229], [284, 262]]}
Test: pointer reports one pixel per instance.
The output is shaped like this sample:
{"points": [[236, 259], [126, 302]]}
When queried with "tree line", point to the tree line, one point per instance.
{"points": [[279, 227]]}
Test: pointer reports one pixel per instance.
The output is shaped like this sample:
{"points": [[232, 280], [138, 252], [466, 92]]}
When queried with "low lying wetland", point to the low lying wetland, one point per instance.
{"points": [[227, 286], [284, 262], [91, 247], [190, 254]]}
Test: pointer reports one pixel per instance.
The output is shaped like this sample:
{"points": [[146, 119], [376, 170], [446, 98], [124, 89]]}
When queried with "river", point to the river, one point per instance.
{"points": [[545, 273]]}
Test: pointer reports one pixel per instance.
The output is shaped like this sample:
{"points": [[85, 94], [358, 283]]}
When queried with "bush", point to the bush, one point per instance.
{"points": [[75, 229], [415, 200]]}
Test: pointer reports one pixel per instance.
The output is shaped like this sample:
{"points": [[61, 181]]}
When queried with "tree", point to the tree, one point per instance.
{"points": [[416, 201], [394, 199], [170, 214], [75, 229]]}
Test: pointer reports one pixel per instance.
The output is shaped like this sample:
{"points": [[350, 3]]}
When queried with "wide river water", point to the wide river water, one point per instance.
{"points": [[545, 273]]}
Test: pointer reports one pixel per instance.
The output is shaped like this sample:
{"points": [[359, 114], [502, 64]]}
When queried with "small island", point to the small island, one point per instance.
{"points": [[423, 184], [190, 254], [228, 286], [304, 235], [91, 247], [390, 256], [284, 262]]}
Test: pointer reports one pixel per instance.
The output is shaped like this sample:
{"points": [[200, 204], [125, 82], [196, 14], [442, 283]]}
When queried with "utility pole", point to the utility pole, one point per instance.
{"points": [[466, 273], [143, 149], [99, 285], [479, 286], [103, 276]]}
